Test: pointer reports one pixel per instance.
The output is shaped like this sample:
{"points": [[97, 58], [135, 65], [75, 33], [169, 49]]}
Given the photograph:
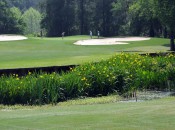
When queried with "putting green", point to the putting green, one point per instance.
{"points": [[37, 52]]}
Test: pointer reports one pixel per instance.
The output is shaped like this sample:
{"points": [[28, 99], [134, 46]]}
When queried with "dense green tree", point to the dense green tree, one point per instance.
{"points": [[32, 19], [110, 17], [3, 14], [121, 16], [104, 17], [10, 19], [59, 17], [89, 24], [96, 15], [81, 14], [166, 12], [144, 19], [86, 14], [15, 21], [25, 4]]}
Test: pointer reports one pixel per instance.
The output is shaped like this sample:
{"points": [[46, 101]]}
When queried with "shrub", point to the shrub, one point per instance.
{"points": [[122, 73]]}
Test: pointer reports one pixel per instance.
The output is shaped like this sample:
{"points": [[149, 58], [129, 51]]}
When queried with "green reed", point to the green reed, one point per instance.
{"points": [[120, 74]]}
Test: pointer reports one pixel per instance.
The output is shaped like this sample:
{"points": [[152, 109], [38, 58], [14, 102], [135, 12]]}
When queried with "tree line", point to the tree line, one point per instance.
{"points": [[16, 18], [110, 17], [25, 4]]}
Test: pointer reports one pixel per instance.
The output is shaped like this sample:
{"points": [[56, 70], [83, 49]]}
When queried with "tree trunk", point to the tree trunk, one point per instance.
{"points": [[172, 48], [165, 32], [104, 28], [172, 43], [82, 16], [151, 31]]}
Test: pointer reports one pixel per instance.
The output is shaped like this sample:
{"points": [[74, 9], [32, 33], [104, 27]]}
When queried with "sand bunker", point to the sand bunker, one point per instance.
{"points": [[110, 41], [11, 37]]}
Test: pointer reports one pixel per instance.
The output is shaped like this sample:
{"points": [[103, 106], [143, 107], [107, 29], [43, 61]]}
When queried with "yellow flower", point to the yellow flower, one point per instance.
{"points": [[87, 84], [84, 78]]}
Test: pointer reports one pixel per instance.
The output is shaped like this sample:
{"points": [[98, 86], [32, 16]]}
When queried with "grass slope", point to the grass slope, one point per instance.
{"points": [[149, 115], [37, 52]]}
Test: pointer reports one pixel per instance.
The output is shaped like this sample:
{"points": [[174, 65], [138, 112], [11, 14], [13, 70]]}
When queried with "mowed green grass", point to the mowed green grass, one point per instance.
{"points": [[37, 52], [149, 115]]}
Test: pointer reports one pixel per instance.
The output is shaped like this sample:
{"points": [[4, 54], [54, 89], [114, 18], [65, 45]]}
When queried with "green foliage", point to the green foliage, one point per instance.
{"points": [[120, 11], [32, 19], [79, 17], [10, 19], [3, 15], [122, 73], [60, 17], [144, 18], [166, 12], [16, 23], [24, 4]]}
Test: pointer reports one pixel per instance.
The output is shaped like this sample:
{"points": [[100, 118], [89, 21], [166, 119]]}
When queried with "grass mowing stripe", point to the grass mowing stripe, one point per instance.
{"points": [[157, 114], [50, 51]]}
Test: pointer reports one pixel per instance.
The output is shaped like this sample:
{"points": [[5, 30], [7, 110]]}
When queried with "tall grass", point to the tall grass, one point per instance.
{"points": [[122, 74]]}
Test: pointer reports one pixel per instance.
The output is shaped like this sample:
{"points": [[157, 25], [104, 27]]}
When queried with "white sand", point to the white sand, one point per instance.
{"points": [[11, 37], [110, 41]]}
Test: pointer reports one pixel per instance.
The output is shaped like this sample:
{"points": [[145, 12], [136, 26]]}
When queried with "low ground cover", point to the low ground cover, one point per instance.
{"points": [[156, 115], [40, 52], [122, 74]]}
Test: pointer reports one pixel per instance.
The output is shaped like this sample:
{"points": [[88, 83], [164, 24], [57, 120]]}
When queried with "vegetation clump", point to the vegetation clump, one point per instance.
{"points": [[121, 74]]}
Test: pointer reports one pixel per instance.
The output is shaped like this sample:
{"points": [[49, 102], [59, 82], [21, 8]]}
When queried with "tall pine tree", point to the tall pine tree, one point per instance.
{"points": [[59, 17]]}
